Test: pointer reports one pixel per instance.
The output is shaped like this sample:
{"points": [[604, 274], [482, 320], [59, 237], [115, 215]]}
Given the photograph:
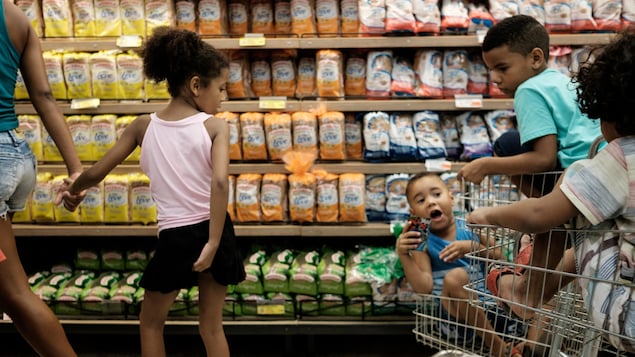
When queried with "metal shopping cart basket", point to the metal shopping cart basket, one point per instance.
{"points": [[588, 296], [434, 326]]}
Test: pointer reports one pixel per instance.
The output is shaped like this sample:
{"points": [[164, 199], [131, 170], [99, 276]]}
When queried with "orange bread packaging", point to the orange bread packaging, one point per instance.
{"points": [[302, 185]]}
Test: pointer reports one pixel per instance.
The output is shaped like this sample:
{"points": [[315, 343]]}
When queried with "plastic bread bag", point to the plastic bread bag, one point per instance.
{"points": [[235, 143], [278, 134], [282, 17], [427, 16], [327, 16], [403, 143], [455, 72], [283, 73], [355, 74], [400, 16], [327, 197], [352, 191], [331, 129], [628, 13], [185, 15], [502, 9], [238, 16], [454, 16], [379, 73], [353, 135], [582, 16], [212, 17], [253, 136], [261, 74], [558, 15], [305, 136], [239, 82], [499, 121], [303, 17], [376, 198], [248, 198], [478, 74], [262, 17], [533, 8], [427, 128], [403, 77], [474, 136], [349, 10], [372, 17], [329, 73], [376, 132], [429, 71], [560, 59], [302, 186], [306, 84], [273, 198], [607, 14]]}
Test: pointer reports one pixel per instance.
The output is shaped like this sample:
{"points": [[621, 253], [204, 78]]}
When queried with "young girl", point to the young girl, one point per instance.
{"points": [[20, 48], [184, 151], [599, 193]]}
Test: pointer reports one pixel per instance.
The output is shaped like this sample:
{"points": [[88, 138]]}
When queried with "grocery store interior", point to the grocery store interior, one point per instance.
{"points": [[334, 78]]}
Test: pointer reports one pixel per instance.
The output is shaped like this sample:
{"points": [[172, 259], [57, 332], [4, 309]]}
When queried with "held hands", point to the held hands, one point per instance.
{"points": [[204, 260], [71, 201]]}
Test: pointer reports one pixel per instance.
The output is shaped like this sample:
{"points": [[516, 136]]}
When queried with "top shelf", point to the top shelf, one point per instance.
{"points": [[99, 44]]}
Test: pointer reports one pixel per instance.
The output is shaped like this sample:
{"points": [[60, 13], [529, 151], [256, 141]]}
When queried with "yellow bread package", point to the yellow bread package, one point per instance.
{"points": [[238, 16], [352, 189], [303, 17], [57, 18], [185, 14], [261, 74], [62, 215], [327, 16], [142, 207], [253, 136], [212, 17], [80, 127], [248, 198], [282, 16], [42, 202], [158, 13], [107, 18], [353, 134], [278, 134], [83, 18], [116, 193], [91, 210], [103, 74], [156, 90], [130, 75], [235, 145], [306, 78], [332, 136], [55, 73], [133, 21], [262, 17], [104, 133], [283, 78], [327, 197], [304, 126], [50, 151], [231, 197], [120, 125], [31, 8], [24, 216], [31, 128], [20, 87], [329, 73], [349, 10], [239, 82], [273, 197], [77, 74], [301, 186]]}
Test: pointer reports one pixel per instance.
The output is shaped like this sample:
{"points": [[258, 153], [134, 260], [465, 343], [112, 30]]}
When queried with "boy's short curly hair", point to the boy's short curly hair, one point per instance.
{"points": [[521, 33], [606, 83]]}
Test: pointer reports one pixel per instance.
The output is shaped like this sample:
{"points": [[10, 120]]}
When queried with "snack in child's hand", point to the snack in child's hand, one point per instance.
{"points": [[419, 224]]}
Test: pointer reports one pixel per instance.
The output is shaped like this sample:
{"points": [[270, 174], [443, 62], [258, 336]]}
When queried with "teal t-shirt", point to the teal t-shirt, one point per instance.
{"points": [[546, 104], [9, 63]]}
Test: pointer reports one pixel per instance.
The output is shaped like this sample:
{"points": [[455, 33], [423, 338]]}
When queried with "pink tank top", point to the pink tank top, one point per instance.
{"points": [[176, 156]]}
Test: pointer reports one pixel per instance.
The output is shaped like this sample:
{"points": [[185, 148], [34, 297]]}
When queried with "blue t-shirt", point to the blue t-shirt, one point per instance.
{"points": [[545, 105], [435, 245], [9, 63]]}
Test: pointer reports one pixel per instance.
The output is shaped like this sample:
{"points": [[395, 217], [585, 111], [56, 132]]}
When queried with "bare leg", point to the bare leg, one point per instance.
{"points": [[32, 318], [154, 312], [211, 299], [463, 312]]}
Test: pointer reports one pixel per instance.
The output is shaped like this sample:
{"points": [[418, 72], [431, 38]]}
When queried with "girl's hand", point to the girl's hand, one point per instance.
{"points": [[455, 250], [204, 260], [71, 201], [407, 241]]}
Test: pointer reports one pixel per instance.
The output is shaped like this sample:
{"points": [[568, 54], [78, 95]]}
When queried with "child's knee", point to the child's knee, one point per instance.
{"points": [[456, 278]]}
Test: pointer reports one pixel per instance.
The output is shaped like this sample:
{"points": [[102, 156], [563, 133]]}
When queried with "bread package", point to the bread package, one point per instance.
{"points": [[278, 134]]}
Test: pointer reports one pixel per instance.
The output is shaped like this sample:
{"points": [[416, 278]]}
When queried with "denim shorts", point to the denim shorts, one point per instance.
{"points": [[18, 168]]}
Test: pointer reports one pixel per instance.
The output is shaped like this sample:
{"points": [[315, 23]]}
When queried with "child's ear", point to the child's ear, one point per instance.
{"points": [[538, 58], [194, 84]]}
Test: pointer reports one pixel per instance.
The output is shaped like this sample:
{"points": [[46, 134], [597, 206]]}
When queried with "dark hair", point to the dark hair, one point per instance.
{"points": [[606, 83], [521, 33], [177, 55], [418, 177]]}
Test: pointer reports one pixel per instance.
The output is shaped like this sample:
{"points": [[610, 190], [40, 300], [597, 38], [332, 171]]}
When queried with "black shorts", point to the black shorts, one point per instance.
{"points": [[178, 248]]}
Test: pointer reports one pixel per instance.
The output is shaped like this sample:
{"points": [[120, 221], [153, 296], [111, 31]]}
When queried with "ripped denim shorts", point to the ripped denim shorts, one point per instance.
{"points": [[18, 168]]}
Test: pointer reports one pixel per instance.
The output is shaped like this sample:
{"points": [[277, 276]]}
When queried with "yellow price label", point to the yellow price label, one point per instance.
{"points": [[272, 103], [270, 309], [252, 41], [86, 103], [129, 41]]}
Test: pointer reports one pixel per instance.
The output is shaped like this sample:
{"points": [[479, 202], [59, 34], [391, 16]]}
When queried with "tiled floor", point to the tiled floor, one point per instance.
{"points": [[240, 345]]}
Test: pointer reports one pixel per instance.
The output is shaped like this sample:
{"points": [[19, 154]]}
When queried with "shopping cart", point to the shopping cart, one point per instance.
{"points": [[438, 329], [574, 319]]}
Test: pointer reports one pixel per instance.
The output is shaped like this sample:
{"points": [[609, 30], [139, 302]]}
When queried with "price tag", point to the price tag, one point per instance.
{"points": [[468, 100], [86, 103], [438, 165], [272, 308], [272, 103], [5, 317], [252, 40], [129, 41], [480, 35]]}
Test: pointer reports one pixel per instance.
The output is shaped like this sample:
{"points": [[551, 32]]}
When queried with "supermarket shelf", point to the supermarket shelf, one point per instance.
{"points": [[242, 230], [396, 325], [338, 167], [309, 42], [348, 105]]}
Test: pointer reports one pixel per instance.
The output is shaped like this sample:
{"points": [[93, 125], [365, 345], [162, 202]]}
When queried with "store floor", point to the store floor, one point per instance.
{"points": [[240, 345]]}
